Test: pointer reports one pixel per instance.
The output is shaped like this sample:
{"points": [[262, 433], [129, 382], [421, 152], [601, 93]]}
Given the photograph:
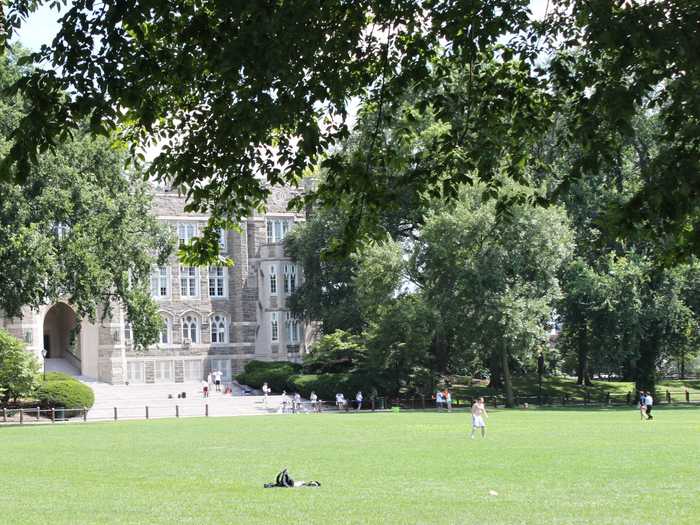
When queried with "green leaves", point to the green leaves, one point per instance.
{"points": [[19, 369]]}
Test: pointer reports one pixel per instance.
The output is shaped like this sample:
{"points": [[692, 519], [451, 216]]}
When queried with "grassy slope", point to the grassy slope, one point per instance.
{"points": [[547, 466], [559, 385]]}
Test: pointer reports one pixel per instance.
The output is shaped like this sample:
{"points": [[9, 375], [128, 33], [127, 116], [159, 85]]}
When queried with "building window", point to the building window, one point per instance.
{"points": [[190, 328], [160, 282], [134, 371], [222, 239], [128, 333], [217, 281], [273, 280], [274, 326], [292, 328], [163, 371], [223, 366], [165, 333], [193, 370], [277, 229], [290, 278], [186, 232], [218, 329], [188, 281]]}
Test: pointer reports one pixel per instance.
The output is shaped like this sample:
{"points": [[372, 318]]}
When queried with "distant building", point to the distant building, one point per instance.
{"points": [[214, 318]]}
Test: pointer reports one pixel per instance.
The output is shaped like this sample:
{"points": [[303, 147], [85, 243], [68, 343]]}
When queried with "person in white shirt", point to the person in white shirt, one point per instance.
{"points": [[314, 402], [478, 414], [284, 402], [649, 403], [266, 392], [340, 400], [217, 380], [296, 407], [358, 400], [439, 400]]}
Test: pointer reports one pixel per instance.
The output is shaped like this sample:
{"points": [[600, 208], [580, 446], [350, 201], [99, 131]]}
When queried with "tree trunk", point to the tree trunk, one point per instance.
{"points": [[646, 366], [495, 381], [510, 400], [582, 371], [683, 364], [441, 350]]}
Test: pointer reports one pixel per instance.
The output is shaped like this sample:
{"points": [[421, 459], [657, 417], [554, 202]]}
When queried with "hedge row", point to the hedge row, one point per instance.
{"points": [[283, 375], [276, 374], [63, 391]]}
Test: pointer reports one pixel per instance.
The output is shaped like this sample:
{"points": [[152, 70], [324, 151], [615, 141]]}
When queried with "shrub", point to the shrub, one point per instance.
{"points": [[276, 374], [327, 386], [19, 369], [59, 376], [65, 394]]}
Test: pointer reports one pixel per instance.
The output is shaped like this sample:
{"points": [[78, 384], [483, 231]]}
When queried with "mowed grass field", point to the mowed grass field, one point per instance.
{"points": [[543, 466]]}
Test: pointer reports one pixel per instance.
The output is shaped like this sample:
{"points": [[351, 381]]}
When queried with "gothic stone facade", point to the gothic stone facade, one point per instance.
{"points": [[214, 318]]}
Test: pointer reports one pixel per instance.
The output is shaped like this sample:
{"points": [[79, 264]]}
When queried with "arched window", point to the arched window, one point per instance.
{"points": [[273, 280], [292, 328], [219, 334], [190, 328]]}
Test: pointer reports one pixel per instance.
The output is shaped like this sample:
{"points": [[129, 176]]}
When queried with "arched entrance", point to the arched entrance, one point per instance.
{"points": [[61, 334]]}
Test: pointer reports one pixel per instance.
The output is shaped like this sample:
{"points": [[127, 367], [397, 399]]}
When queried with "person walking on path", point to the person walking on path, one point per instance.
{"points": [[210, 382], [448, 400], [642, 405], [217, 380], [266, 392], [205, 389], [649, 403], [478, 415], [314, 402], [358, 400]]}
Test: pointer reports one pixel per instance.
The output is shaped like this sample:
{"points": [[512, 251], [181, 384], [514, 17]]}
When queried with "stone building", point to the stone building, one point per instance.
{"points": [[215, 318]]}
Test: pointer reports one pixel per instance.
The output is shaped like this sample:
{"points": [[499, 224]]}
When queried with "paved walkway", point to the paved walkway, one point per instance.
{"points": [[162, 399]]}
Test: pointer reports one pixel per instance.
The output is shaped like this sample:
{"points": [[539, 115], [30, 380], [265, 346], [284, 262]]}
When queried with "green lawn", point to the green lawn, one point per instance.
{"points": [[546, 466]]}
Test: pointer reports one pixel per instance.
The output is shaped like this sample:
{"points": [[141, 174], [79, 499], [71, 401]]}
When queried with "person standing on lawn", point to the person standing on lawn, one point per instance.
{"points": [[649, 403], [478, 415], [642, 405]]}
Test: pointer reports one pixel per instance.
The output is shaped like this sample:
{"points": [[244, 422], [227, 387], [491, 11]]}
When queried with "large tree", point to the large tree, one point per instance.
{"points": [[79, 227], [240, 94], [493, 283]]}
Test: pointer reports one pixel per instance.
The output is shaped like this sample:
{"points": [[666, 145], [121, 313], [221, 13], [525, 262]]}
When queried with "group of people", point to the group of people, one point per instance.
{"points": [[646, 403], [342, 403], [295, 403], [213, 378], [443, 400]]}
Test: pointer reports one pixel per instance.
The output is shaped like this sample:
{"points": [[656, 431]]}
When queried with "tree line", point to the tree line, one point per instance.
{"points": [[465, 286]]}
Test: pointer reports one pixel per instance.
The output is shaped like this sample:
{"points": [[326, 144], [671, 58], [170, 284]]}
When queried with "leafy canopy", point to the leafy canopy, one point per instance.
{"points": [[78, 228], [244, 94]]}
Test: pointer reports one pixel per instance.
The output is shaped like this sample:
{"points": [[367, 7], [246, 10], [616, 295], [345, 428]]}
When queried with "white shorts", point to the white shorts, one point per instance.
{"points": [[478, 421]]}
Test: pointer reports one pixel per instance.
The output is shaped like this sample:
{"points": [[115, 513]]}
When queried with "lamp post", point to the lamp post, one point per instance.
{"points": [[44, 353]]}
